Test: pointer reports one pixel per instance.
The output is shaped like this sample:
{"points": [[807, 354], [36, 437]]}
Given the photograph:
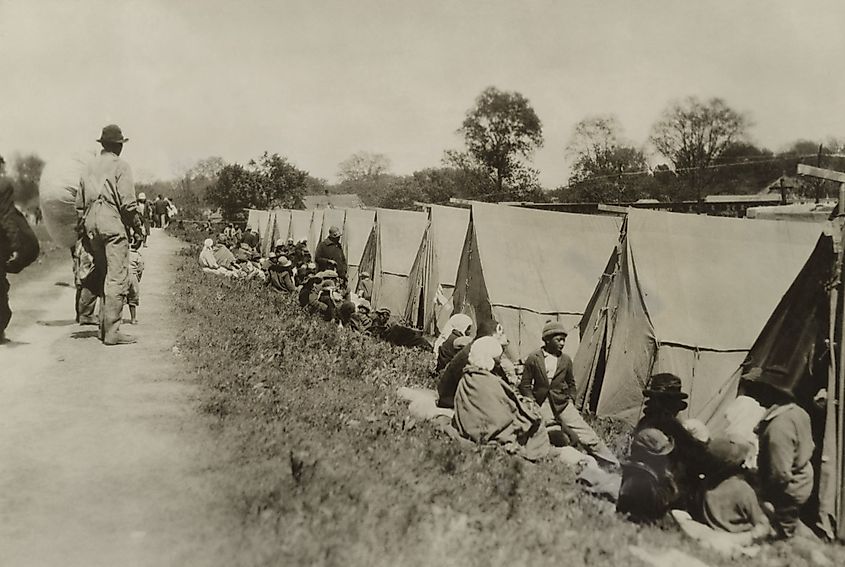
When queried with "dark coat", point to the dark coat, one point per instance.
{"points": [[329, 249], [9, 232], [280, 279], [535, 383], [447, 351], [447, 384]]}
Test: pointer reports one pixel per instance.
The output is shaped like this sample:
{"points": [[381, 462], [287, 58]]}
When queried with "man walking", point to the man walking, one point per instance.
{"points": [[107, 210], [160, 206], [8, 242]]}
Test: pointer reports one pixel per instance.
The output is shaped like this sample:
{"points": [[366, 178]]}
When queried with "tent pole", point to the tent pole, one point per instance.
{"points": [[840, 392]]}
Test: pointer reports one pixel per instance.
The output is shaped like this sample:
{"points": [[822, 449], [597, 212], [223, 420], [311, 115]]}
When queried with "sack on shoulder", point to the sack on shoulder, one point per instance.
{"points": [[28, 248]]}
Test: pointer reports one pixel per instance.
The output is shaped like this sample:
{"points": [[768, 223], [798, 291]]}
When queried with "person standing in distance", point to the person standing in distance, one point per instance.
{"points": [[107, 209]]}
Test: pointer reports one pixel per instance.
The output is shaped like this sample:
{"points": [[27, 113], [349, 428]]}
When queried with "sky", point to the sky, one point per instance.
{"points": [[319, 80]]}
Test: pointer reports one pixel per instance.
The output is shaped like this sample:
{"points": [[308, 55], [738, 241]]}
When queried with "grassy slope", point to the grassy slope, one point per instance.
{"points": [[322, 467]]}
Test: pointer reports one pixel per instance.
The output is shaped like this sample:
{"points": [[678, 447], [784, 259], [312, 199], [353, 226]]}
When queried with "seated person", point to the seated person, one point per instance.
{"points": [[548, 379], [280, 274], [307, 289], [786, 449], [304, 272], [488, 409], [648, 488], [727, 501], [380, 322], [224, 257], [208, 262], [459, 325], [447, 383], [361, 319], [365, 286], [663, 402]]}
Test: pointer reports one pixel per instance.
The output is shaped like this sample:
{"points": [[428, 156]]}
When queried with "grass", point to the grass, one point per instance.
{"points": [[322, 467]]}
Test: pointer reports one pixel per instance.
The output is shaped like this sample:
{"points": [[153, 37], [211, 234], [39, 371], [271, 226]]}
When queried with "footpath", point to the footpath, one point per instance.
{"points": [[103, 454]]}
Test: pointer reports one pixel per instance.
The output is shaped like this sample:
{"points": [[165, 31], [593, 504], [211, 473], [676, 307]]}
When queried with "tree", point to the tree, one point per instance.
{"points": [[362, 166], [271, 181], [26, 173], [501, 131], [692, 134], [604, 164]]}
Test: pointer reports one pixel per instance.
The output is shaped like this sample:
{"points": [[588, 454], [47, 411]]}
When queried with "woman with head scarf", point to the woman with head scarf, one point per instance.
{"points": [[208, 262], [488, 409], [458, 326]]}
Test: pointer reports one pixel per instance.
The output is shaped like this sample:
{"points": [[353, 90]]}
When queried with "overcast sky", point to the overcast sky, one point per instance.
{"points": [[319, 80]]}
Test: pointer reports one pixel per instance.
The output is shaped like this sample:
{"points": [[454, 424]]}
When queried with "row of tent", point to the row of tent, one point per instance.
{"points": [[701, 297]]}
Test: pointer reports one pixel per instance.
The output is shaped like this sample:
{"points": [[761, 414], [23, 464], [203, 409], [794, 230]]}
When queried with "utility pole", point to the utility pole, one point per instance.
{"points": [[818, 182]]}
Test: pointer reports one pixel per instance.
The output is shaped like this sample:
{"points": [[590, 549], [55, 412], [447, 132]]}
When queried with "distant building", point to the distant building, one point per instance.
{"points": [[327, 201]]}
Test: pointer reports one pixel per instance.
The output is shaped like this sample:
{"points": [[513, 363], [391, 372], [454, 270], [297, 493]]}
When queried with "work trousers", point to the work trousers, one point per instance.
{"points": [[5, 310], [162, 221], [110, 279], [571, 418], [86, 303]]}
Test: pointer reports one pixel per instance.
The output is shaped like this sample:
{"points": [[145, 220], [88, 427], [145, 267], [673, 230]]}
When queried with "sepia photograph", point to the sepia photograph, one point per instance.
{"points": [[358, 283]]}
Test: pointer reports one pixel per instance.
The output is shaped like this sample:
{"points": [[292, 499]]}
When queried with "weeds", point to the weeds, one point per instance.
{"points": [[323, 468]]}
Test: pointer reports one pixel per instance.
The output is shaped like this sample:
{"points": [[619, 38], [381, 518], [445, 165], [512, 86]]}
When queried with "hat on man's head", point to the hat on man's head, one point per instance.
{"points": [[112, 135], [280, 242], [554, 328], [329, 274], [728, 454], [364, 275], [665, 384], [364, 304], [654, 441], [334, 232], [383, 310], [142, 197], [272, 255], [284, 262]]}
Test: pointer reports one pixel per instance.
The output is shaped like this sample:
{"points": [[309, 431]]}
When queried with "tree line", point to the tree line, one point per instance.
{"points": [[695, 148]]}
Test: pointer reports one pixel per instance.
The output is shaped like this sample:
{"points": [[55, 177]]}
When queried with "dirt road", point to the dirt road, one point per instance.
{"points": [[103, 456]]}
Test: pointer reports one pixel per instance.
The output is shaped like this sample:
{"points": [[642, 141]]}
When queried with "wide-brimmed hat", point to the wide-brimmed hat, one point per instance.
{"points": [[728, 454], [665, 384], [284, 262], [142, 197], [364, 304], [654, 441], [112, 135], [554, 328], [364, 274], [280, 242], [383, 310], [335, 232]]}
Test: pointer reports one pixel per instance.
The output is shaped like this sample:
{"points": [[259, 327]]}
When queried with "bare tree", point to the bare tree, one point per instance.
{"points": [[692, 134], [363, 165]]}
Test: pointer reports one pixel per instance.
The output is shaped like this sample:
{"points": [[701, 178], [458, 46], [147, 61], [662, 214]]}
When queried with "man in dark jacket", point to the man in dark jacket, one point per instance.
{"points": [[548, 377], [8, 244], [331, 250]]}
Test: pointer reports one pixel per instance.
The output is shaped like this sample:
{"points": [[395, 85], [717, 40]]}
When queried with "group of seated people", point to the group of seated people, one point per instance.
{"points": [[530, 409], [753, 478]]}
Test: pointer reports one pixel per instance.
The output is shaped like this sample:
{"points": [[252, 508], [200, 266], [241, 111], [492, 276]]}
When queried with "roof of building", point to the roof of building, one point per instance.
{"points": [[345, 200]]}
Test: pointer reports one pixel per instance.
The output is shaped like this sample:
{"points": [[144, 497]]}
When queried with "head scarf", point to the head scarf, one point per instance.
{"points": [[483, 353], [459, 322]]}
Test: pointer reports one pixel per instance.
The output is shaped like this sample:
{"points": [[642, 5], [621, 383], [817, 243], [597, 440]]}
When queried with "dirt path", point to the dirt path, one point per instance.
{"points": [[103, 456]]}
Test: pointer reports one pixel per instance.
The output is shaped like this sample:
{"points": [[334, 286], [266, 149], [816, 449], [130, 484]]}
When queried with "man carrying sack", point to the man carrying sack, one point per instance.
{"points": [[107, 210]]}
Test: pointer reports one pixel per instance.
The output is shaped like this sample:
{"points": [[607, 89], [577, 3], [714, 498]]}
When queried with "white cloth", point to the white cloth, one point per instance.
{"points": [[483, 353], [458, 322]]}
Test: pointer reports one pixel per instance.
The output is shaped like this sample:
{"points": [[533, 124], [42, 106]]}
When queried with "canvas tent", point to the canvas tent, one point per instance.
{"points": [[252, 219], [300, 225], [281, 226], [332, 217], [685, 294], [357, 226], [798, 212], [389, 255], [432, 278], [315, 230], [523, 267]]}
